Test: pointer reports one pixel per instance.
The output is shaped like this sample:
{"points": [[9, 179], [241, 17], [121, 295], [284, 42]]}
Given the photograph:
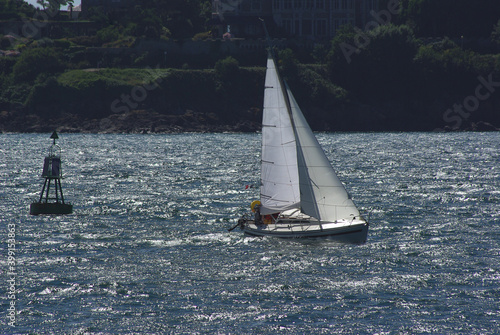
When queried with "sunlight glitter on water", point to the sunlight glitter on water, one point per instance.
{"points": [[147, 248]]}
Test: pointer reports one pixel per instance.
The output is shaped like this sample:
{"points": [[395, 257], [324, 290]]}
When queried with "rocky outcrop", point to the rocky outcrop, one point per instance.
{"points": [[130, 122]]}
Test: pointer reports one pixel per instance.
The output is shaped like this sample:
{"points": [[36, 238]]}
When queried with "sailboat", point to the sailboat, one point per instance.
{"points": [[300, 194]]}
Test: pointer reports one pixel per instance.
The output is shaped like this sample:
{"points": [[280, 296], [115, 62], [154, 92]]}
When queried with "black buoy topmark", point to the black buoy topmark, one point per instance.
{"points": [[52, 203]]}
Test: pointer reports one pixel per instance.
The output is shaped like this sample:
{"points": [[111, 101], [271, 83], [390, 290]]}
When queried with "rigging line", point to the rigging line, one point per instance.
{"points": [[312, 181]]}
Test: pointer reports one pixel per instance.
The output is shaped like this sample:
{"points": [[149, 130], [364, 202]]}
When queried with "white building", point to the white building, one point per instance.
{"points": [[312, 19]]}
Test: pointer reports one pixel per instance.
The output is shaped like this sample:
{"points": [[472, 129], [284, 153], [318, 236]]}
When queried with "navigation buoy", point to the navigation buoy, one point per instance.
{"points": [[53, 174]]}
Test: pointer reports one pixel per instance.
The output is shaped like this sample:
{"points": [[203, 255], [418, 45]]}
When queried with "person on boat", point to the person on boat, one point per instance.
{"points": [[270, 218], [257, 217]]}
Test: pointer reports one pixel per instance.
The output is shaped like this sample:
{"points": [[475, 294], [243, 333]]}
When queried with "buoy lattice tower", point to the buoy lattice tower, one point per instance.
{"points": [[52, 202]]}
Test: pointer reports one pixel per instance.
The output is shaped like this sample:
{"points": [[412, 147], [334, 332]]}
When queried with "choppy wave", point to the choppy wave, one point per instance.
{"points": [[147, 249]]}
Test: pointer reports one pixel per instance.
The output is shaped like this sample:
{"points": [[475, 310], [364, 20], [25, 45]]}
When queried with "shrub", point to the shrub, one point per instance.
{"points": [[202, 36], [227, 69], [33, 62], [108, 34]]}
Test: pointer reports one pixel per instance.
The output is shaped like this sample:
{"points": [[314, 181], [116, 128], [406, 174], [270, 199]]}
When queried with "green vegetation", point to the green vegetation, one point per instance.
{"points": [[412, 81], [402, 75], [35, 62], [15, 9], [452, 18], [495, 35]]}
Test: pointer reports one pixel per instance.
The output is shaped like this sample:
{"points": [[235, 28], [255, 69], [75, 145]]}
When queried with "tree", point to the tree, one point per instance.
{"points": [[53, 6], [495, 35], [373, 64], [227, 69], [180, 18], [108, 34], [36, 61], [43, 3], [58, 3], [15, 9], [453, 18]]}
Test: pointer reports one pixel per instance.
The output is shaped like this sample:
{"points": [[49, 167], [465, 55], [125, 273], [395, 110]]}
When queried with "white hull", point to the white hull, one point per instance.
{"points": [[355, 231]]}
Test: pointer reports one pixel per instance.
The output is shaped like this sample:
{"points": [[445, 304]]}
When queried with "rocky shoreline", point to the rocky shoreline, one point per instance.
{"points": [[135, 122], [146, 122]]}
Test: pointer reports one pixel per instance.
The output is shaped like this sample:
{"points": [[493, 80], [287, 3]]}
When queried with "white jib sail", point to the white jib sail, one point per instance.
{"points": [[323, 195], [279, 173]]}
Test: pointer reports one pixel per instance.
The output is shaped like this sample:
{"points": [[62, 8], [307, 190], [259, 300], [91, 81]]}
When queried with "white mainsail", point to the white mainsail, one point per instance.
{"points": [[295, 171], [279, 172]]}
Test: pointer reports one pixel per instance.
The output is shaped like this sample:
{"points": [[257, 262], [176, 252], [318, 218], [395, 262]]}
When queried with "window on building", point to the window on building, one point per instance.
{"points": [[344, 4], [256, 5], [244, 6], [287, 25], [320, 28], [320, 4], [276, 4], [306, 27], [336, 4], [288, 4], [336, 25], [344, 22]]}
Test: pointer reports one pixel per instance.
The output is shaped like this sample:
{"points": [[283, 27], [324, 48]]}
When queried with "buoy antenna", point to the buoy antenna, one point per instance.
{"points": [[54, 136], [54, 149]]}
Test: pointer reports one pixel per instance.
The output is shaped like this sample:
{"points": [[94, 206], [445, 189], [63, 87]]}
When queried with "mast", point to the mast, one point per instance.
{"points": [[279, 190], [281, 81], [321, 194]]}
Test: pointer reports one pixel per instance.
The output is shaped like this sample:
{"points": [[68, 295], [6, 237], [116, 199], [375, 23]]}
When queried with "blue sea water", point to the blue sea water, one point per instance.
{"points": [[147, 248]]}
